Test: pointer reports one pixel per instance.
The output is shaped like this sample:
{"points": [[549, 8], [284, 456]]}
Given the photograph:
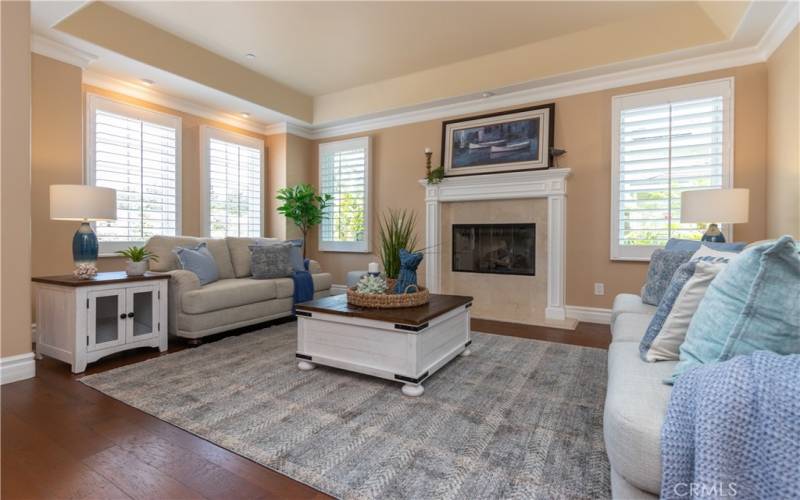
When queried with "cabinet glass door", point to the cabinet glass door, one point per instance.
{"points": [[106, 319], [143, 304]]}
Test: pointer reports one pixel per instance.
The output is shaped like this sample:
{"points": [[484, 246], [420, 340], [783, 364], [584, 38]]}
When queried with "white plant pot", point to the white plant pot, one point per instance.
{"points": [[136, 268]]}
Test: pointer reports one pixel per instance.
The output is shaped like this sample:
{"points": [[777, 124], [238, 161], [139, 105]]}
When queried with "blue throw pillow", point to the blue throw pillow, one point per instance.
{"points": [[199, 261], [752, 305], [296, 255], [676, 244], [663, 264]]}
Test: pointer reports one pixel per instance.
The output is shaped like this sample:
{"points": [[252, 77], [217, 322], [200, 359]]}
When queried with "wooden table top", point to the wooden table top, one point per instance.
{"points": [[99, 279], [414, 316]]}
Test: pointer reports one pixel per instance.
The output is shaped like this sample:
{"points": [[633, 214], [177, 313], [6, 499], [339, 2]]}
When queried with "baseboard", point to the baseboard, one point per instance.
{"points": [[19, 367], [590, 314], [338, 289]]}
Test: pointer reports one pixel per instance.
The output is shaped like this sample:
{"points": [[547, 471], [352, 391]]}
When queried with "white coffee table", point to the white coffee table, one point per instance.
{"points": [[404, 345]]}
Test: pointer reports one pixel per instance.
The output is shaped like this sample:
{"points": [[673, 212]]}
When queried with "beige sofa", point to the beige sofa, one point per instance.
{"points": [[235, 300]]}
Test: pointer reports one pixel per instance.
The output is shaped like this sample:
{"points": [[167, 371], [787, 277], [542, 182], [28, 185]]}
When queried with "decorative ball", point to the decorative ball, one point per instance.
{"points": [[371, 284], [85, 271]]}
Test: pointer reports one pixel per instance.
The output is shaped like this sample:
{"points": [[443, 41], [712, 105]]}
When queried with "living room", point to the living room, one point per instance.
{"points": [[400, 249]]}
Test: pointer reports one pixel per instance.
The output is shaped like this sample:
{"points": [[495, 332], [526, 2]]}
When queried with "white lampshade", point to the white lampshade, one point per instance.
{"points": [[725, 206], [84, 203]]}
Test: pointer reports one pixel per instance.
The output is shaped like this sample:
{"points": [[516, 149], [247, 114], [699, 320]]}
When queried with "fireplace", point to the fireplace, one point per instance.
{"points": [[495, 248]]}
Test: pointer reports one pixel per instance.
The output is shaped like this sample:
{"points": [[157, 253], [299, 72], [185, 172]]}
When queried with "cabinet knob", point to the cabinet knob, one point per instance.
{"points": [[122, 316], [130, 314]]}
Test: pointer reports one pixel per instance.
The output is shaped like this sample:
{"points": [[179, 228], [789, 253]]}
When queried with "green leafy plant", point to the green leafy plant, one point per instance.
{"points": [[435, 176], [304, 207], [138, 254], [396, 232]]}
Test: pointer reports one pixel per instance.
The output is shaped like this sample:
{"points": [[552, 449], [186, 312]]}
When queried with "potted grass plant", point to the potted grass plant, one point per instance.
{"points": [[137, 260], [396, 232]]}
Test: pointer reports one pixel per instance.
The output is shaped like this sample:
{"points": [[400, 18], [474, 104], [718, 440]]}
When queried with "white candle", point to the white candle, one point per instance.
{"points": [[427, 150], [373, 267]]}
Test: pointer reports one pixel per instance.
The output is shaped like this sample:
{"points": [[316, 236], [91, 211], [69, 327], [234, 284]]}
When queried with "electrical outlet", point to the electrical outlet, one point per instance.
{"points": [[599, 289]]}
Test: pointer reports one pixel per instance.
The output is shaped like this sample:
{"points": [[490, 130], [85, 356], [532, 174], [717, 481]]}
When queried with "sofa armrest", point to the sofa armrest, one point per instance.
{"points": [[180, 282], [314, 267]]}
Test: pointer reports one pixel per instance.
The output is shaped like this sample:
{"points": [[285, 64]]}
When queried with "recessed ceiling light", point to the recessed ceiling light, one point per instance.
{"points": [[245, 115], [486, 95], [148, 82], [250, 55]]}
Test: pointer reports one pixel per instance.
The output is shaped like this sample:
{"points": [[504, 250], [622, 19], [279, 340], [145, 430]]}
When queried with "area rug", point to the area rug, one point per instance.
{"points": [[517, 419]]}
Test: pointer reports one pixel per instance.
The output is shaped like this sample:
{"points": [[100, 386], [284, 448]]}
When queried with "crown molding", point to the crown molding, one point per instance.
{"points": [[290, 128], [782, 27], [55, 50], [107, 82]]}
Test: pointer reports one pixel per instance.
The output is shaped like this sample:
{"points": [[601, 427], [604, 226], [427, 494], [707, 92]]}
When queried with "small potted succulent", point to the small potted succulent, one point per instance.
{"points": [[137, 260]]}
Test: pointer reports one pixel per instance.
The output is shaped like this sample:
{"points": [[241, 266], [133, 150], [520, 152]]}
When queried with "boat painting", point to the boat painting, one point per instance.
{"points": [[517, 140]]}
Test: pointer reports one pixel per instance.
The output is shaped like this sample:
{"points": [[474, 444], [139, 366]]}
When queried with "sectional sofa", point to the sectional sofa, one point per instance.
{"points": [[636, 403], [235, 300]]}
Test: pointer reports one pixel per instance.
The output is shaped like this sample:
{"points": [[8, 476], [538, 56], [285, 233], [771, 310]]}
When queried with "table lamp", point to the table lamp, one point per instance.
{"points": [[85, 204], [723, 206]]}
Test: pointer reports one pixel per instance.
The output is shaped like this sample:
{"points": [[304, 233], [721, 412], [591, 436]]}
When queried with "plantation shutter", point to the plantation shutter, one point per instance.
{"points": [[135, 152], [234, 189], [664, 147], [344, 174]]}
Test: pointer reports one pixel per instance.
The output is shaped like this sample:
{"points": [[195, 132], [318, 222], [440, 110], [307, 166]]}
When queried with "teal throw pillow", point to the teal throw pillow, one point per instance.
{"points": [[752, 305]]}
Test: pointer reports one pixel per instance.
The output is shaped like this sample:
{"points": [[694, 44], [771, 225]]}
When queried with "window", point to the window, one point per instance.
{"points": [[344, 168], [233, 188], [136, 152], [665, 142]]}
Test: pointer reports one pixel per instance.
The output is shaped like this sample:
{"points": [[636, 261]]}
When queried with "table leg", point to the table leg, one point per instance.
{"points": [[305, 366], [413, 390]]}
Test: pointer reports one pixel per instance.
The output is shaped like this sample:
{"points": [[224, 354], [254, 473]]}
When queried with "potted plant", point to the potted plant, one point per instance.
{"points": [[396, 232], [137, 260], [304, 207]]}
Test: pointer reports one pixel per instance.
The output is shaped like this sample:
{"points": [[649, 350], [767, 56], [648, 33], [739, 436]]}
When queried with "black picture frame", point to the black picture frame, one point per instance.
{"points": [[506, 167]]}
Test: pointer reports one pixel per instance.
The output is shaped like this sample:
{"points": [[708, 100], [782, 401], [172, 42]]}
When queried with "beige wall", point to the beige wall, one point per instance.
{"points": [[583, 124], [783, 140], [58, 115], [289, 165], [15, 178]]}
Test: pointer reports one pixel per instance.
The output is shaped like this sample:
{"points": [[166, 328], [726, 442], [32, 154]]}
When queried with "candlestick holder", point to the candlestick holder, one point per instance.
{"points": [[428, 155]]}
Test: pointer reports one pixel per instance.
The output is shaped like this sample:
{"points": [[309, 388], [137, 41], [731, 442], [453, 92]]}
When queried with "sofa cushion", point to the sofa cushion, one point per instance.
{"points": [[228, 293], [271, 261], [675, 244], [630, 327], [239, 249], [163, 246], [628, 302], [636, 403]]}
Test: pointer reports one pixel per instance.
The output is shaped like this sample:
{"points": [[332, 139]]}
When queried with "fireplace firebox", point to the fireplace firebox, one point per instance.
{"points": [[495, 248]]}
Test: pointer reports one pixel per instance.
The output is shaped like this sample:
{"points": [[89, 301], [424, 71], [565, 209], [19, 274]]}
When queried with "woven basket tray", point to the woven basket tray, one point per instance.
{"points": [[388, 300]]}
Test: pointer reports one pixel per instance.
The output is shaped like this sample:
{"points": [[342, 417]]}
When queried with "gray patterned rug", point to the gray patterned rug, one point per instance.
{"points": [[517, 419]]}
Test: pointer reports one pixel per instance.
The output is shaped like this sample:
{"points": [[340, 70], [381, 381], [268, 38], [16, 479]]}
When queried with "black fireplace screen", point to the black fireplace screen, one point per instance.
{"points": [[494, 248]]}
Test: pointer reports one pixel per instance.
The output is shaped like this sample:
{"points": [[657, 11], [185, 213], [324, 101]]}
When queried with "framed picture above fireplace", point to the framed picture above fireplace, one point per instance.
{"points": [[508, 141], [495, 248]]}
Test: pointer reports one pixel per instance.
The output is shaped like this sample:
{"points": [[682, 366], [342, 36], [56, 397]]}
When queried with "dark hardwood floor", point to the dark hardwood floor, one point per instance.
{"points": [[61, 439]]}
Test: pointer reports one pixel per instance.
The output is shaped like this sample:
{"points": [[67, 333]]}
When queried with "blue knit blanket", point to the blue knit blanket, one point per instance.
{"points": [[733, 430], [303, 286]]}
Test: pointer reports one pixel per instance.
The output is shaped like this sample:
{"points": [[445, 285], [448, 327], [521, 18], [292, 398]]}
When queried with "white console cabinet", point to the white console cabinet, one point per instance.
{"points": [[81, 321]]}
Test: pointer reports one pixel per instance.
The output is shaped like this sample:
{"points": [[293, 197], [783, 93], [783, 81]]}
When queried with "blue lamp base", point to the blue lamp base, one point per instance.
{"points": [[84, 245], [713, 234]]}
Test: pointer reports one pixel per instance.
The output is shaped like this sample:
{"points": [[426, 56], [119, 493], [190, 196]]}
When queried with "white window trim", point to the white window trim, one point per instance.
{"points": [[207, 132], [350, 246], [95, 101], [723, 87]]}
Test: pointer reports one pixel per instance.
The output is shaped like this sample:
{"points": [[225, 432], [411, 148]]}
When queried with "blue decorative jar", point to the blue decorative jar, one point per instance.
{"points": [[84, 245]]}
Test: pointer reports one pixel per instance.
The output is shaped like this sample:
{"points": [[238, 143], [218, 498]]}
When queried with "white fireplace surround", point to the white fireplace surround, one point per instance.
{"points": [[550, 184]]}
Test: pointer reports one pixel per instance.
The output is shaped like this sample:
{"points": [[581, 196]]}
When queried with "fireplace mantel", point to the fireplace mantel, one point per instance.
{"points": [[550, 184]]}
